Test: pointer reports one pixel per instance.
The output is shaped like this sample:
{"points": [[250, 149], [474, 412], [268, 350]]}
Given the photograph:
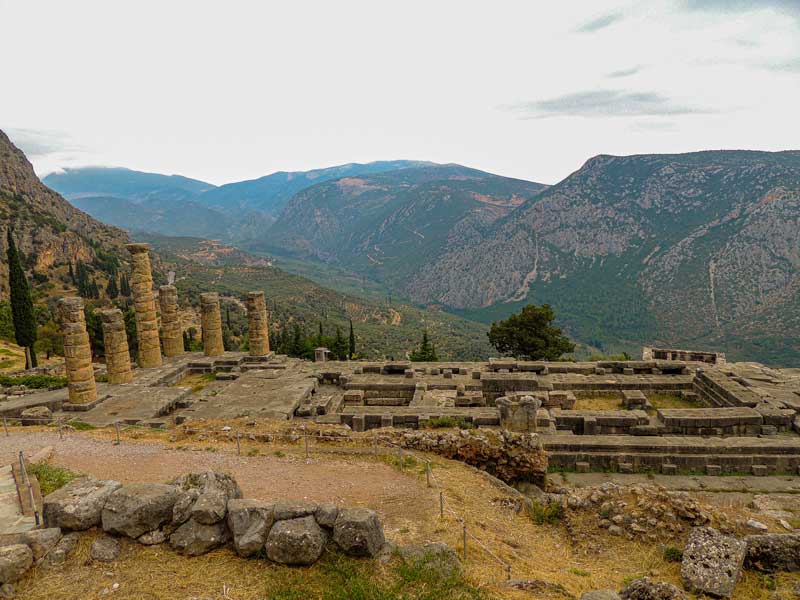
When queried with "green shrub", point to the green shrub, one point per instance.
{"points": [[550, 513], [51, 478], [34, 381], [81, 426], [672, 554], [449, 422]]}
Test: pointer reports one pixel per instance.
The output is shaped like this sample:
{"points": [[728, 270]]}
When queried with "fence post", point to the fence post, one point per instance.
{"points": [[464, 523], [5, 425], [116, 427], [375, 442], [508, 572], [428, 472], [441, 504], [22, 467], [305, 440], [400, 457], [238, 444], [61, 431]]}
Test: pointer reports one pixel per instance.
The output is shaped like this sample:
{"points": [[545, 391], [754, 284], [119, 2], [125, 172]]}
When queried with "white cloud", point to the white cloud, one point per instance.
{"points": [[235, 90]]}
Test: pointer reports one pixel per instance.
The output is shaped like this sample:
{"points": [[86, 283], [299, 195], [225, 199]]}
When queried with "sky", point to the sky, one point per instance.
{"points": [[226, 91]]}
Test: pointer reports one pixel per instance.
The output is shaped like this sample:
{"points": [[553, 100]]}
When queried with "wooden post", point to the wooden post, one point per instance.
{"points": [[428, 472], [5, 426], [238, 444], [375, 441], [305, 439], [400, 457], [464, 523], [441, 505], [116, 426]]}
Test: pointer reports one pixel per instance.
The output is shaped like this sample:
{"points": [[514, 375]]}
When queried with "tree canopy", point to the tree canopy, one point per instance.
{"points": [[21, 303], [426, 351], [530, 335]]}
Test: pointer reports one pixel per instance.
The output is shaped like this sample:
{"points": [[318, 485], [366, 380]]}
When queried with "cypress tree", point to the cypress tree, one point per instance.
{"points": [[111, 289], [21, 304], [352, 342], [71, 274], [339, 346]]}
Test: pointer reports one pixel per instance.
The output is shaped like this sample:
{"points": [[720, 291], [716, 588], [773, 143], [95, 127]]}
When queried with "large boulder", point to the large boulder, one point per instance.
{"points": [[712, 562], [210, 507], [208, 481], [204, 497], [40, 541], [135, 509], [14, 561], [63, 548], [193, 538], [249, 522], [36, 415], [645, 589], [284, 511], [358, 532], [79, 504], [773, 552], [296, 541]]}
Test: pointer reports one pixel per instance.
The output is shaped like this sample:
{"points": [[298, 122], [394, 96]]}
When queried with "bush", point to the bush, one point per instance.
{"points": [[445, 422], [672, 554], [550, 513], [51, 478], [34, 381]]}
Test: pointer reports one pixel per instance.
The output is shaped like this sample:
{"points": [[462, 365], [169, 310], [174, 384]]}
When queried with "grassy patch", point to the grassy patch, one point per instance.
{"points": [[449, 422], [51, 478], [81, 426], [549, 514], [672, 554], [34, 381], [670, 401]]}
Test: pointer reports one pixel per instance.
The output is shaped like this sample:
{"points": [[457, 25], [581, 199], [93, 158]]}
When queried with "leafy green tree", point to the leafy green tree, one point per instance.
{"points": [[21, 303], [6, 321], [530, 335], [426, 351], [339, 346], [111, 289], [351, 353], [49, 339]]}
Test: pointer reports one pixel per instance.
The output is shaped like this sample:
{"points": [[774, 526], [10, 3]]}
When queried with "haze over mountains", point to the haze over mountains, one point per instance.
{"points": [[698, 249]]}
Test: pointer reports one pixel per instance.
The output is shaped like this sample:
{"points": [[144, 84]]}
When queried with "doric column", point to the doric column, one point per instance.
{"points": [[171, 329], [258, 332], [77, 351], [145, 306], [211, 322], [118, 358]]}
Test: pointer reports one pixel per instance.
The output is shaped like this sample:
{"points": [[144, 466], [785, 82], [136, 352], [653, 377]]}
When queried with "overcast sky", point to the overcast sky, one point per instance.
{"points": [[224, 91]]}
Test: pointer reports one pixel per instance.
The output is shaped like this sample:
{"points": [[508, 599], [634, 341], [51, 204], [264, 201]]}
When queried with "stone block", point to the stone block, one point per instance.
{"points": [[712, 562], [625, 467], [713, 469], [760, 470], [669, 469], [582, 466]]}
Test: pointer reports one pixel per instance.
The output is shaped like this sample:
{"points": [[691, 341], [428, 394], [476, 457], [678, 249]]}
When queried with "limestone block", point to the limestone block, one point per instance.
{"points": [[712, 562], [135, 509], [144, 304], [118, 358], [258, 321], [296, 541], [211, 323], [358, 532], [77, 352], [171, 327], [79, 504]]}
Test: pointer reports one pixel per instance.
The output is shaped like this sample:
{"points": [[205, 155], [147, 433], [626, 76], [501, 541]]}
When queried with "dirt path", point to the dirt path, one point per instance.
{"points": [[402, 499]]}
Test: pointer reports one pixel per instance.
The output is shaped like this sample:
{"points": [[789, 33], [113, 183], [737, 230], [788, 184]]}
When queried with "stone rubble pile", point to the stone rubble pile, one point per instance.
{"points": [[644, 512], [511, 457], [194, 514]]}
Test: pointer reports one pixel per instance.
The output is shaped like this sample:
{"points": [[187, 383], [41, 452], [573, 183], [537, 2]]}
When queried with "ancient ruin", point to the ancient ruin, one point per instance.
{"points": [[258, 330], [171, 328], [77, 352], [211, 324], [145, 306], [115, 341]]}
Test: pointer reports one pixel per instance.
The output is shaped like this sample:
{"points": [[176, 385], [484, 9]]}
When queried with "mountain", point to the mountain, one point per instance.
{"points": [[389, 225], [270, 194], [383, 328], [697, 250], [49, 231], [123, 183]]}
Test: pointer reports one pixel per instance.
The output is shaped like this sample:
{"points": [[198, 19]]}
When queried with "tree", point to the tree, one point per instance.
{"points": [[124, 286], [339, 346], [351, 354], [426, 351], [21, 304], [530, 335], [71, 274], [111, 289]]}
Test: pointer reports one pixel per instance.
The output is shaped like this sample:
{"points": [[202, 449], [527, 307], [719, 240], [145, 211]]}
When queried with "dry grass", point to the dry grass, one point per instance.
{"points": [[546, 552], [598, 403], [669, 401]]}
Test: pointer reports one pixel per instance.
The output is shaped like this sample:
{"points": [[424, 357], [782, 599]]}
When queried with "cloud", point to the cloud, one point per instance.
{"points": [[40, 142], [599, 23], [790, 66], [605, 103], [625, 72], [733, 6]]}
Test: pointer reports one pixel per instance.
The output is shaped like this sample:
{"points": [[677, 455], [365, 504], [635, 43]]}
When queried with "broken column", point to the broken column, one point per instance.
{"points": [[144, 304], [211, 322], [171, 329], [115, 340], [77, 351], [258, 332]]}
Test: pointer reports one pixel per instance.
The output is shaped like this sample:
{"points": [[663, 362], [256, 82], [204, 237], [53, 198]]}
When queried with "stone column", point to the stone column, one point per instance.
{"points": [[77, 351], [211, 322], [258, 331], [170, 320], [144, 304], [118, 358]]}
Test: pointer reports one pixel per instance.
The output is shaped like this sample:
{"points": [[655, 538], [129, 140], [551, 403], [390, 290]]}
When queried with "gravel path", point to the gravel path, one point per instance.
{"points": [[345, 481]]}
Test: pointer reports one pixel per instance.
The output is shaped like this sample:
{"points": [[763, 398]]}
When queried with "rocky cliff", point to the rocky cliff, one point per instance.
{"points": [[48, 230]]}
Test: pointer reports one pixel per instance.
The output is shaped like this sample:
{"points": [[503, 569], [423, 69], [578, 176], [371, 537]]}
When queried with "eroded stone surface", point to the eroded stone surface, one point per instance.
{"points": [[250, 522], [135, 509], [79, 504], [358, 532], [712, 562], [296, 541]]}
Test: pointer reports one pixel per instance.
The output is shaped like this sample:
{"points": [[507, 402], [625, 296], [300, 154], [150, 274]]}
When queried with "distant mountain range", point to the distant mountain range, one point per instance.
{"points": [[696, 250]]}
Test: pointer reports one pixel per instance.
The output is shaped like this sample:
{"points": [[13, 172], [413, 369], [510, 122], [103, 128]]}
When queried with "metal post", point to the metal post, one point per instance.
{"points": [[5, 426], [441, 505], [465, 539], [238, 444], [22, 467], [428, 472], [116, 427]]}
